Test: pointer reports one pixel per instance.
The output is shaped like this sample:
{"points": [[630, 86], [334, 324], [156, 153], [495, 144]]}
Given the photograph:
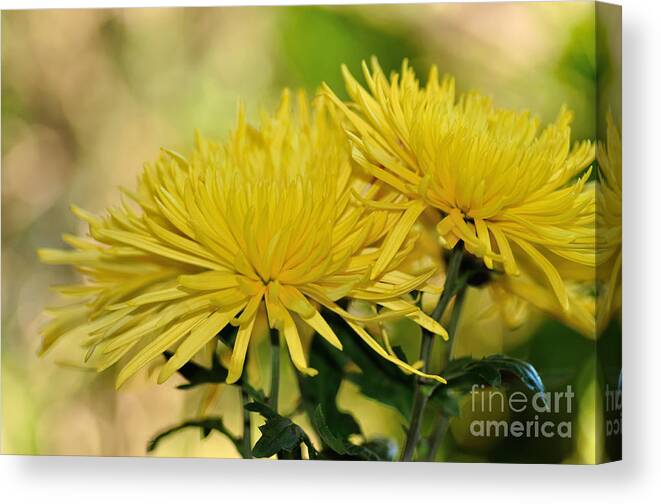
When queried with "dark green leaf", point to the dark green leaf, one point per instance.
{"points": [[375, 450], [384, 448], [323, 388], [334, 442], [253, 393], [495, 370], [447, 399], [263, 409], [199, 375], [228, 335], [518, 369], [207, 425], [280, 435]]}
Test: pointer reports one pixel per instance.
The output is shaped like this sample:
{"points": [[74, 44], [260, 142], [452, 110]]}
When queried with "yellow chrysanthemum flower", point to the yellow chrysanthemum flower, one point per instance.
{"points": [[268, 219], [609, 223], [515, 295], [512, 298], [507, 190]]}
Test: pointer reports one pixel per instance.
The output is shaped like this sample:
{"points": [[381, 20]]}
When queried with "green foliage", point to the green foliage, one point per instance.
{"points": [[280, 436], [377, 379], [207, 425], [385, 383], [199, 375], [319, 396], [381, 449], [494, 371], [578, 60], [317, 41], [556, 350], [580, 68], [322, 389]]}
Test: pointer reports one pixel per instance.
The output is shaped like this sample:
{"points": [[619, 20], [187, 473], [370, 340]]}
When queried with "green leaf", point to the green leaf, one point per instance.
{"points": [[375, 450], [253, 393], [199, 375], [495, 370], [334, 442], [510, 367], [323, 388], [556, 351], [207, 425], [228, 335], [448, 401], [384, 448], [280, 436]]}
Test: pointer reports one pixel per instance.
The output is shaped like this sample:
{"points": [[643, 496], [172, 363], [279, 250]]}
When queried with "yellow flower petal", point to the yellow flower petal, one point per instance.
{"points": [[197, 339], [240, 349], [371, 342], [395, 239]]}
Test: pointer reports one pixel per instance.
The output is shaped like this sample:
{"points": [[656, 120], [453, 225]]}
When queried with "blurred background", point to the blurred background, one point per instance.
{"points": [[89, 95]]}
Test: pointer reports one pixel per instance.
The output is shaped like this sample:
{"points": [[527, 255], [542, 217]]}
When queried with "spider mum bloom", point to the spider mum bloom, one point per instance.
{"points": [[266, 220], [510, 191]]}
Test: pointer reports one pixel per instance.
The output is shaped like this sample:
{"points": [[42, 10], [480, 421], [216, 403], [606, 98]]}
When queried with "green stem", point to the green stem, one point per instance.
{"points": [[454, 320], [442, 422], [275, 369], [247, 441], [420, 397], [450, 287]]}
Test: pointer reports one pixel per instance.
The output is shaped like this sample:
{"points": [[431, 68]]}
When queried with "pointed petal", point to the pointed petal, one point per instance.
{"points": [[395, 239], [320, 325], [240, 349], [548, 269], [197, 339], [371, 342]]}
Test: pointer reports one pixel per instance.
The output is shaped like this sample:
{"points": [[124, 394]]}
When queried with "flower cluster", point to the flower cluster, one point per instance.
{"points": [[316, 210], [271, 221]]}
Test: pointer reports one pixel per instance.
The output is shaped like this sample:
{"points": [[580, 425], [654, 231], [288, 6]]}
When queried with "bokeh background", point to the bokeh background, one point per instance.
{"points": [[89, 95]]}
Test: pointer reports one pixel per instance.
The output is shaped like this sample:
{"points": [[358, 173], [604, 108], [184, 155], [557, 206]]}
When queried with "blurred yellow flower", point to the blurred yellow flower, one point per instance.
{"points": [[514, 296], [511, 298], [267, 219], [510, 192], [609, 223]]}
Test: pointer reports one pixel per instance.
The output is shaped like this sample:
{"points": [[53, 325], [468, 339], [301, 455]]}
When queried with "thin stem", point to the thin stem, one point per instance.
{"points": [[247, 441], [275, 369], [420, 397], [449, 289], [442, 422], [437, 437], [419, 404], [454, 320]]}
